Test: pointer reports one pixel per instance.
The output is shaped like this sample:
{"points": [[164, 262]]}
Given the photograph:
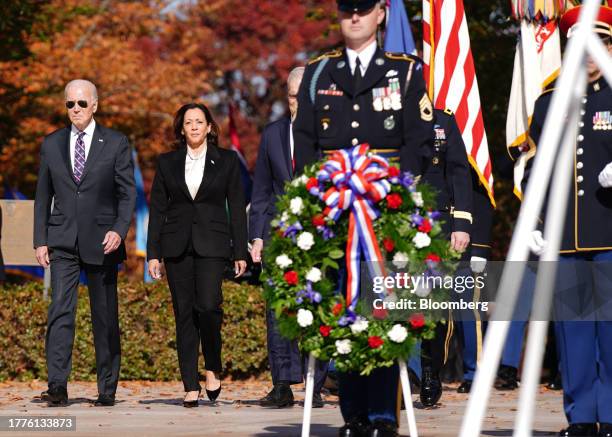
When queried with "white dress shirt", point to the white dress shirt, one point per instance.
{"points": [[365, 56], [291, 146], [87, 138], [194, 170]]}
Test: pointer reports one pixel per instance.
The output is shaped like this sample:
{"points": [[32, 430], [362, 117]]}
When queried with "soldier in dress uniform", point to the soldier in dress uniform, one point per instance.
{"points": [[446, 168], [467, 212], [357, 95], [585, 345]]}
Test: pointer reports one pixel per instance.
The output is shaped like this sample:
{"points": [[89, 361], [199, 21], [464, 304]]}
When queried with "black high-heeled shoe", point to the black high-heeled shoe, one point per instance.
{"points": [[192, 404], [213, 394]]}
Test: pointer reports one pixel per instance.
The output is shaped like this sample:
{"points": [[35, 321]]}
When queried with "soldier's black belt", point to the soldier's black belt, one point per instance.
{"points": [[391, 155]]}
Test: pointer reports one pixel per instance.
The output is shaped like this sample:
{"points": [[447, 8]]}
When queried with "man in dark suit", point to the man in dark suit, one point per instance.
{"points": [[274, 167], [85, 198]]}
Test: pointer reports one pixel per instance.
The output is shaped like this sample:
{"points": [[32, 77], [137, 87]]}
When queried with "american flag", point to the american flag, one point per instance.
{"points": [[451, 79]]}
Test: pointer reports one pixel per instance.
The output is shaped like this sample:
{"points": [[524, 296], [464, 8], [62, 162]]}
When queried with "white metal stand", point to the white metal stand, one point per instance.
{"points": [[308, 399], [412, 427]]}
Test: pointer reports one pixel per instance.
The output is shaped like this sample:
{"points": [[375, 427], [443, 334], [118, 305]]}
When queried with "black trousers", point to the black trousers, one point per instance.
{"points": [[102, 284], [195, 285], [286, 361], [434, 352]]}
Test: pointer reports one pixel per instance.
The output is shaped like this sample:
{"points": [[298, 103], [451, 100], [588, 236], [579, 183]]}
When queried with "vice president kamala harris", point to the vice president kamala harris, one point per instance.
{"points": [[197, 222]]}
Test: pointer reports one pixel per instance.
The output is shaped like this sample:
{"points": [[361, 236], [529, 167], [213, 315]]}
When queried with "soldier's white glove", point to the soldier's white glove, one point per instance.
{"points": [[478, 264], [536, 243], [605, 177]]}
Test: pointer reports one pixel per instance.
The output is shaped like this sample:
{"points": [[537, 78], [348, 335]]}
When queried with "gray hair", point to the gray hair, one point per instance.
{"points": [[295, 75], [83, 83]]}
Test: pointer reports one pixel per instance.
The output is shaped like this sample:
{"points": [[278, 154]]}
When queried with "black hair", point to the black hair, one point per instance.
{"points": [[211, 138]]}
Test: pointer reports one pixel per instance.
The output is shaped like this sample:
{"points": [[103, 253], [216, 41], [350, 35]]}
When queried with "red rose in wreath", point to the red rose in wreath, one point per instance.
{"points": [[433, 257], [425, 226], [393, 172], [375, 342], [337, 309], [389, 244], [325, 330], [394, 201], [312, 182], [318, 220], [291, 277], [417, 320]]}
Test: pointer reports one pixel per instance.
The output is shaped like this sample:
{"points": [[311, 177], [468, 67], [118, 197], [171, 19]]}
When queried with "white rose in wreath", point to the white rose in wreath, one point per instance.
{"points": [[359, 325], [422, 290], [421, 240], [305, 240], [283, 261], [343, 347], [417, 198], [296, 205], [313, 275], [304, 317], [400, 260], [398, 334], [299, 181]]}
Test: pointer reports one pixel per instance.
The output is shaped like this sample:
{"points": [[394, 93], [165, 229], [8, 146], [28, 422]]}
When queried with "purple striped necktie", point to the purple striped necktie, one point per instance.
{"points": [[79, 157]]}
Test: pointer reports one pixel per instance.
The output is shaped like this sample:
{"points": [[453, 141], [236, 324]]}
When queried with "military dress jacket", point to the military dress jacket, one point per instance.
{"points": [[588, 216], [462, 198], [389, 109]]}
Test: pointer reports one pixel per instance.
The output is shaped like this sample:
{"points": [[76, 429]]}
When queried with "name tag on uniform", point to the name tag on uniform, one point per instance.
{"points": [[602, 120]]}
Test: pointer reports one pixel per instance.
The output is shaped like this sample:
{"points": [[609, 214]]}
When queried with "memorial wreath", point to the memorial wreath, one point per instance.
{"points": [[350, 210]]}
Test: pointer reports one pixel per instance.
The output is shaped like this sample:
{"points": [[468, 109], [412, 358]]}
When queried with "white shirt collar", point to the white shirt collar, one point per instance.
{"points": [[365, 56], [89, 130]]}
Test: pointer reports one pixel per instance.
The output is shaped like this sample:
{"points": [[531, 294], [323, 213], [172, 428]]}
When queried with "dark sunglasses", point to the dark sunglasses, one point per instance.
{"points": [[82, 103]]}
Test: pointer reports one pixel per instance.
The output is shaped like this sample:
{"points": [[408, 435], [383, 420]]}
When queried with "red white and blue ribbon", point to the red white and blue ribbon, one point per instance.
{"points": [[359, 181]]}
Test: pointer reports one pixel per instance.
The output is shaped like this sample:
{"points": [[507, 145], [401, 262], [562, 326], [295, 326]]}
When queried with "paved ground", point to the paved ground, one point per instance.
{"points": [[154, 409]]}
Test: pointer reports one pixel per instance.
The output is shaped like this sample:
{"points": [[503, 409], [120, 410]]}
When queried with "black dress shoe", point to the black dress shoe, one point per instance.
{"points": [[580, 430], [355, 428], [57, 396], [105, 401], [194, 403], [213, 394], [555, 384], [465, 387], [268, 398], [507, 378], [281, 396], [605, 430], [317, 400], [431, 388], [44, 396], [383, 429]]}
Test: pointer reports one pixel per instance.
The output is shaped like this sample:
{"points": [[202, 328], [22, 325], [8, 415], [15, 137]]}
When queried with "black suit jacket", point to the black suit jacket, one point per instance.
{"points": [[272, 170], [175, 219], [84, 212]]}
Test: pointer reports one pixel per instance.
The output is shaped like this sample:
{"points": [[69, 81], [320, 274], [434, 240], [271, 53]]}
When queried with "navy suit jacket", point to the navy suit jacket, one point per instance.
{"points": [[272, 170]]}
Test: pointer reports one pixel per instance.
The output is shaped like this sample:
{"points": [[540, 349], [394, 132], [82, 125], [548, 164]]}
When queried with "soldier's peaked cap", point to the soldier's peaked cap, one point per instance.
{"points": [[602, 25], [356, 5]]}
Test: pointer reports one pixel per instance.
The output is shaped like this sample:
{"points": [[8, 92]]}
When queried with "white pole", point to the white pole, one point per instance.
{"points": [[412, 427], [545, 284], [308, 398], [527, 221]]}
